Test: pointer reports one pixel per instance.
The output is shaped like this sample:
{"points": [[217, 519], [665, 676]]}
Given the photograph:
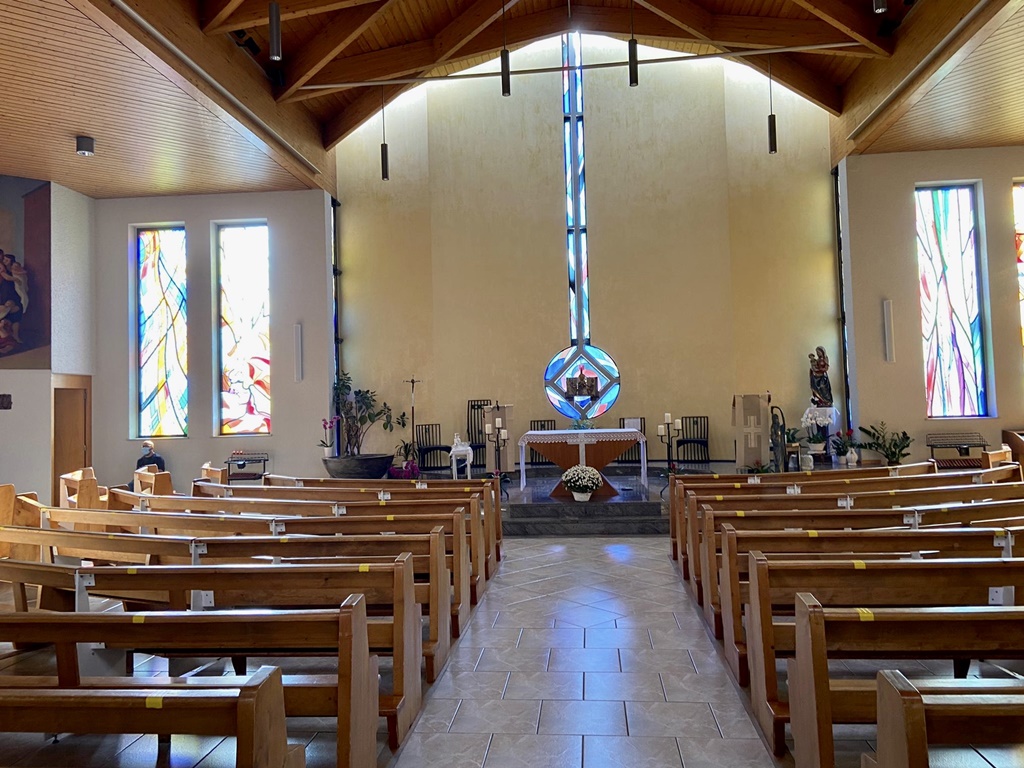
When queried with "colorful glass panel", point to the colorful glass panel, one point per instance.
{"points": [[951, 323], [162, 299], [1018, 237], [244, 271]]}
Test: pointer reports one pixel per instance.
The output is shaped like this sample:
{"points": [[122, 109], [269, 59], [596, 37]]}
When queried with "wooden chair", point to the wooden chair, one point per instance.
{"points": [[433, 453], [692, 443], [475, 430]]}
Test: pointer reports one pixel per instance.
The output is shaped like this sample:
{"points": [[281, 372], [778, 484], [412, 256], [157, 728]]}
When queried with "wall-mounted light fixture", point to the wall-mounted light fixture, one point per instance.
{"points": [[85, 146]]}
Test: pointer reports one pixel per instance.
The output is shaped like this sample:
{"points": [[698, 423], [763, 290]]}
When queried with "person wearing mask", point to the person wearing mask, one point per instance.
{"points": [[149, 456]]}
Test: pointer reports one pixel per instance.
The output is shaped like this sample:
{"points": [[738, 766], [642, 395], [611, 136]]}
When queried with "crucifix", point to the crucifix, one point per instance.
{"points": [[412, 407]]}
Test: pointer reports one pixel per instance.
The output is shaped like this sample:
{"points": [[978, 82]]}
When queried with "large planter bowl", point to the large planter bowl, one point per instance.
{"points": [[371, 466]]}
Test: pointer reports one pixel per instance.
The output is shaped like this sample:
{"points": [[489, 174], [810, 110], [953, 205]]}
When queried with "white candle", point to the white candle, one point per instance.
{"points": [[668, 418], [488, 429], [497, 423], [504, 434], [679, 425], [661, 429]]}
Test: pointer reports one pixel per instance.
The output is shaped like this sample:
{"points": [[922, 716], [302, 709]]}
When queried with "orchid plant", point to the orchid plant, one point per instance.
{"points": [[328, 425]]}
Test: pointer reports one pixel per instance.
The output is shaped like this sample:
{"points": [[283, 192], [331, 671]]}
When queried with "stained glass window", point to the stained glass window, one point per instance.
{"points": [[951, 319], [162, 333], [1018, 227], [244, 274]]}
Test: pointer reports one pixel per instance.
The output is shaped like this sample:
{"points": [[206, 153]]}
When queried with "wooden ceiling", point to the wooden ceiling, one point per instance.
{"points": [[182, 98]]}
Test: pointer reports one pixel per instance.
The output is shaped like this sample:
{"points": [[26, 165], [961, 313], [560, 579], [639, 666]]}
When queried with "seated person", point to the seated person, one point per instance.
{"points": [[149, 456]]}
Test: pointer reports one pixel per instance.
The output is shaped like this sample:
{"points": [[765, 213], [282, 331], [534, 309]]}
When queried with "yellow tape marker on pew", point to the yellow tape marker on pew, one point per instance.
{"points": [[859, 565], [283, 539], [812, 534], [466, 490], [892, 493], [364, 568], [382, 502], [736, 485], [740, 513], [846, 481], [137, 619], [390, 518], [132, 571], [154, 702], [719, 498], [715, 476], [865, 614]]}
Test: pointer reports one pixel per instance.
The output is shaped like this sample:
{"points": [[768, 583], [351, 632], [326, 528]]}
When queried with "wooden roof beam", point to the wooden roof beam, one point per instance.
{"points": [[468, 25], [248, 14], [214, 12], [398, 61], [930, 43], [857, 23], [346, 27], [685, 14]]}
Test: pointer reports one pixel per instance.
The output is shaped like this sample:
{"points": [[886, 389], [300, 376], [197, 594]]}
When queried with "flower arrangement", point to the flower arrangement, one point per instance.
{"points": [[892, 445], [843, 442], [582, 479], [328, 425], [583, 423], [817, 417]]}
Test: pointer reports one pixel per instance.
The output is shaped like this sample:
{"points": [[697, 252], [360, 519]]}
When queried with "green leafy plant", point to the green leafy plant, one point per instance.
{"points": [[359, 411], [816, 437], [757, 468], [892, 445], [406, 450], [582, 424], [843, 443], [792, 435]]}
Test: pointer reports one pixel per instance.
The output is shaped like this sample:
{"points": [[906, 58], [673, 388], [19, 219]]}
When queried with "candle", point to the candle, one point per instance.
{"points": [[488, 429], [504, 434], [497, 423], [661, 429], [679, 425], [668, 418]]}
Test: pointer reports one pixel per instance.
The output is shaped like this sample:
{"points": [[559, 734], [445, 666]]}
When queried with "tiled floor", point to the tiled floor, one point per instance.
{"points": [[585, 653]]}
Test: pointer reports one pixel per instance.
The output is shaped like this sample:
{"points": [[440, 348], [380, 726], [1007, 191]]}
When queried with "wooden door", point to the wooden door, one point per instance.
{"points": [[72, 428]]}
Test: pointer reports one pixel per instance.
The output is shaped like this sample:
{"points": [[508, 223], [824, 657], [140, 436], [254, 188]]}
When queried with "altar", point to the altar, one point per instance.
{"points": [[595, 448]]}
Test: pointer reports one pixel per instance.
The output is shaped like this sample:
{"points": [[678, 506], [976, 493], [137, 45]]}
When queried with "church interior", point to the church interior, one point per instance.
{"points": [[398, 383]]}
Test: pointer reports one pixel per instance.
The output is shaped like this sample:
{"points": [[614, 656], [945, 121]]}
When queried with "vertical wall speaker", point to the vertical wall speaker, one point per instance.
{"points": [[297, 329], [890, 348]]}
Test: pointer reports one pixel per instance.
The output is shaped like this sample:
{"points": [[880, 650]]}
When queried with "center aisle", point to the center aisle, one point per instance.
{"points": [[585, 653]]}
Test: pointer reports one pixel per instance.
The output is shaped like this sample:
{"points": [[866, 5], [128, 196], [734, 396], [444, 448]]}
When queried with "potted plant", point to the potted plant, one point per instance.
{"points": [[843, 444], [815, 442], [409, 469], [892, 445], [582, 481], [359, 410], [328, 442]]}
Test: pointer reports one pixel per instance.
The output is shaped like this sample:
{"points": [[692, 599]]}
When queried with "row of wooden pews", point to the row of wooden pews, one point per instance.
{"points": [[804, 570], [405, 565]]}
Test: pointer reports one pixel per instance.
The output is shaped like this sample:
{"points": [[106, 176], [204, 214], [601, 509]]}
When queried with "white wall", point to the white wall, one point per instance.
{"points": [[712, 267], [26, 429], [301, 292], [881, 250], [72, 281]]}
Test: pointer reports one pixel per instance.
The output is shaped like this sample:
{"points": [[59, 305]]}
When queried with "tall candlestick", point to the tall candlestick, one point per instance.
{"points": [[668, 418], [661, 429], [679, 425], [488, 429], [504, 434], [497, 423]]}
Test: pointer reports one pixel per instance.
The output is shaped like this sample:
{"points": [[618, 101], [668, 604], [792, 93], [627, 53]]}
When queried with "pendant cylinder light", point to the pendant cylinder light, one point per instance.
{"points": [[880, 6], [275, 32], [773, 139], [634, 62], [384, 169], [506, 66]]}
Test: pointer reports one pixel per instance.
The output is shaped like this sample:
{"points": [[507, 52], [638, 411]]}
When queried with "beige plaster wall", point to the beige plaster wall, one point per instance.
{"points": [[711, 263], [882, 264]]}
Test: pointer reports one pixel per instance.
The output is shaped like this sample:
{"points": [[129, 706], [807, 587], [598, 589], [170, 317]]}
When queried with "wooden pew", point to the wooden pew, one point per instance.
{"points": [[712, 543], [194, 525], [895, 497], [867, 583], [475, 533], [808, 544], [79, 488], [151, 480], [433, 592], [479, 500], [817, 702], [488, 482], [213, 474], [252, 712], [910, 717], [350, 695], [387, 585], [677, 486]]}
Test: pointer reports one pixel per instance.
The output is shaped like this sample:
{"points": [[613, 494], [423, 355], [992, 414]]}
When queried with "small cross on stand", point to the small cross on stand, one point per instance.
{"points": [[412, 412]]}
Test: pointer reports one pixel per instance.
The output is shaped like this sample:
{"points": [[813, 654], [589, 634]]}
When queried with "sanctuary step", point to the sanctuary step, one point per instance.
{"points": [[587, 518]]}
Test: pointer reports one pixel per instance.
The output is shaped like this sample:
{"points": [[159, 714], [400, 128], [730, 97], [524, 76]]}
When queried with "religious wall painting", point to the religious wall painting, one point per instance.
{"points": [[24, 273]]}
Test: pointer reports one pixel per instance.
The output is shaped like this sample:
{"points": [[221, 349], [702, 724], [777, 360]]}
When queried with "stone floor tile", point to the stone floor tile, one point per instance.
{"points": [[452, 750], [583, 717], [436, 715], [622, 686], [630, 604], [668, 661], [585, 595], [564, 637], [513, 660], [733, 720], [469, 685], [585, 615], [631, 637], [694, 687], [510, 751], [497, 717], [659, 718], [545, 685], [725, 753], [630, 752], [648, 620], [490, 638], [524, 618], [584, 660], [681, 638]]}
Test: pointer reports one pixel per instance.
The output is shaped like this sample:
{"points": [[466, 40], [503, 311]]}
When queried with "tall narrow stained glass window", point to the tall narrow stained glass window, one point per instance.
{"points": [[244, 278], [1018, 236], [951, 317], [161, 298]]}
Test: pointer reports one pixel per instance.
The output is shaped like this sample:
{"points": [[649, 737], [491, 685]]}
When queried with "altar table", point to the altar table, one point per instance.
{"points": [[594, 447]]}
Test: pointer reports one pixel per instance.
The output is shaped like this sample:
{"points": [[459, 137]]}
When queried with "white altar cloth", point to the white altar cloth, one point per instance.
{"points": [[582, 438]]}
